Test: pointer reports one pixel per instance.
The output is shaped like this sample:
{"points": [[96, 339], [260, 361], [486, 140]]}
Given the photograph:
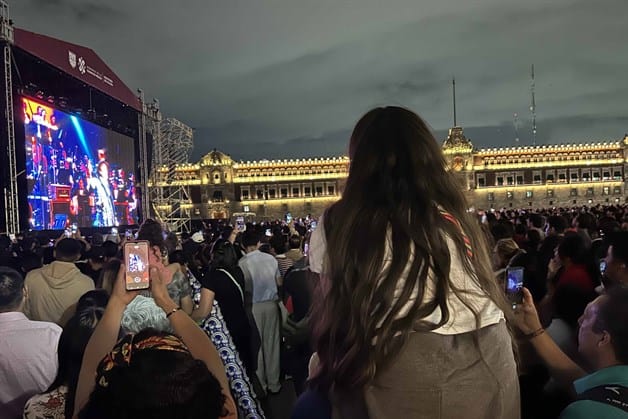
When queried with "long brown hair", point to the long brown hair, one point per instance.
{"points": [[397, 183]]}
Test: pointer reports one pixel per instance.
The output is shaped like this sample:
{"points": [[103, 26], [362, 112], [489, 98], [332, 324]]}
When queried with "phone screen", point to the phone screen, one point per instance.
{"points": [[268, 232], [602, 267], [240, 226], [514, 285], [68, 233], [136, 260], [74, 228]]}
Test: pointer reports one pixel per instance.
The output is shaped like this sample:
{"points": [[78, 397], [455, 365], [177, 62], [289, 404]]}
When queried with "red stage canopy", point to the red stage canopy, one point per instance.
{"points": [[79, 62]]}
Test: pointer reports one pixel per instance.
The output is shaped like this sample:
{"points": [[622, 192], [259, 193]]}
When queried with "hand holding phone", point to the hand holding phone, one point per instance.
{"points": [[137, 275]]}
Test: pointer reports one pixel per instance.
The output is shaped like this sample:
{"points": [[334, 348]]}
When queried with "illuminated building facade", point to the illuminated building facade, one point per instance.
{"points": [[509, 177]]}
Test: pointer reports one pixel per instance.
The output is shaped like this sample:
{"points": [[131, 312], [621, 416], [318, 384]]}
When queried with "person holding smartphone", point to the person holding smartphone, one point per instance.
{"points": [[151, 374]]}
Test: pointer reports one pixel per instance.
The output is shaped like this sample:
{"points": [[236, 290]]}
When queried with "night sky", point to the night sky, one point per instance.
{"points": [[289, 78]]}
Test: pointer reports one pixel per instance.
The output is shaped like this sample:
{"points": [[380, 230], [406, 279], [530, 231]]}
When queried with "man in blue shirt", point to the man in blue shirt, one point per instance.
{"points": [[602, 343]]}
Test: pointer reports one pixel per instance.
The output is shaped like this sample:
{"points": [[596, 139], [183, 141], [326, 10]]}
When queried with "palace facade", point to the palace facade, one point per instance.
{"points": [[217, 187]]}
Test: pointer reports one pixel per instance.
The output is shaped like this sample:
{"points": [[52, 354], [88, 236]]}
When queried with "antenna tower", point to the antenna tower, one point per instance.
{"points": [[533, 108]]}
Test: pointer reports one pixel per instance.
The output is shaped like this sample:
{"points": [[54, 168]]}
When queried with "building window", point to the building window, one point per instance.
{"points": [[260, 194], [307, 191], [246, 208], [500, 181], [529, 194], [562, 177], [510, 180], [589, 191], [573, 176], [490, 196], [295, 192], [606, 190], [596, 175], [519, 179], [537, 178], [617, 190], [606, 174], [617, 175], [245, 194], [272, 193], [481, 181], [573, 192], [550, 178], [550, 193], [319, 190], [586, 176], [331, 190], [509, 195], [284, 192]]}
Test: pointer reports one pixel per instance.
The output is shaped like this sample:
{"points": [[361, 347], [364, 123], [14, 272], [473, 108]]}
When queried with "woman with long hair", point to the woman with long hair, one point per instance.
{"points": [[409, 321]]}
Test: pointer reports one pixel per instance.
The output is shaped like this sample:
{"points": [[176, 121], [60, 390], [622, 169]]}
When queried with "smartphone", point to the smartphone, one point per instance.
{"points": [[240, 226], [602, 267], [114, 231], [288, 217], [74, 228], [306, 248], [12, 237], [514, 286], [268, 232], [68, 232], [313, 225], [128, 234], [136, 260]]}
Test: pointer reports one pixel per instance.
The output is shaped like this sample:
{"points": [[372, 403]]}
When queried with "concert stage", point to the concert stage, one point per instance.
{"points": [[72, 131]]}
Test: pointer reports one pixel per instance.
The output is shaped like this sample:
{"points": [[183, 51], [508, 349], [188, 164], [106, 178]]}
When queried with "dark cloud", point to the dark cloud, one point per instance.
{"points": [[291, 77]]}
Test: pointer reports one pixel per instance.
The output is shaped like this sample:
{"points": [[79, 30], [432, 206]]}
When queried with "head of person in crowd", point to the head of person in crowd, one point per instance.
{"points": [[12, 291], [72, 343], [278, 243], [295, 241], [556, 225], [504, 251], [572, 250], [108, 275], [93, 298], [172, 242], [67, 250], [223, 255], [533, 238], [398, 187], [180, 258], [250, 240], [152, 374], [616, 271], [111, 250], [502, 229], [536, 221], [151, 231], [603, 332], [585, 221], [143, 313], [29, 261]]}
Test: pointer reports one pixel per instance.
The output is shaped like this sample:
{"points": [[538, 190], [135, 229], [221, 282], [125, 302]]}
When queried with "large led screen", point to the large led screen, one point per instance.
{"points": [[77, 172]]}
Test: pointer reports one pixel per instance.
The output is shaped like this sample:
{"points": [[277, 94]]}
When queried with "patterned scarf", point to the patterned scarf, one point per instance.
{"points": [[121, 354]]}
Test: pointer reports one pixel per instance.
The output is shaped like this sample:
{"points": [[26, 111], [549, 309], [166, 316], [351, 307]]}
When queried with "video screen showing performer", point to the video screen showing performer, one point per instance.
{"points": [[77, 171]]}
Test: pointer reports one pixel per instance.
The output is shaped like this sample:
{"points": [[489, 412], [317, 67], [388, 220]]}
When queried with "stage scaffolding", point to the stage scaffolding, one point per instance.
{"points": [[172, 144], [11, 200]]}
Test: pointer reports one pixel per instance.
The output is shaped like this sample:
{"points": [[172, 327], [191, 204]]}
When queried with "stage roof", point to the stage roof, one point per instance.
{"points": [[79, 62]]}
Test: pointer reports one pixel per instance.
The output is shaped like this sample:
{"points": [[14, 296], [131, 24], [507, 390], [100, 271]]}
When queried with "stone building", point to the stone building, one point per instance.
{"points": [[219, 187]]}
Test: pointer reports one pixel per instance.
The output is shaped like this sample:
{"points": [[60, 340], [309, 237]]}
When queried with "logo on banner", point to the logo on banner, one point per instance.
{"points": [[72, 59], [81, 65]]}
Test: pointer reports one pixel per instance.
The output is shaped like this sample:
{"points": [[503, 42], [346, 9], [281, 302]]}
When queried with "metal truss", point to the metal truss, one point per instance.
{"points": [[11, 200], [170, 200]]}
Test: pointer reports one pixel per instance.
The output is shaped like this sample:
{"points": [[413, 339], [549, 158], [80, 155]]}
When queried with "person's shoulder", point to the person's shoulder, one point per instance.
{"points": [[586, 409], [45, 327]]}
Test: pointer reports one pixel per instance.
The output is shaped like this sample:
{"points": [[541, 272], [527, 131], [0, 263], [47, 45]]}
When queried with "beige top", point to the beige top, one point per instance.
{"points": [[461, 319]]}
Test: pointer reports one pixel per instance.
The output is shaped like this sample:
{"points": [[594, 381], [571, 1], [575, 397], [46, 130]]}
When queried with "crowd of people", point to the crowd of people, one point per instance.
{"points": [[392, 304]]}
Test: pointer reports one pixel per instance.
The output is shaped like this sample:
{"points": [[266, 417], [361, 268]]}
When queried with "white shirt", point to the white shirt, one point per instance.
{"points": [[28, 360], [461, 319], [263, 270]]}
